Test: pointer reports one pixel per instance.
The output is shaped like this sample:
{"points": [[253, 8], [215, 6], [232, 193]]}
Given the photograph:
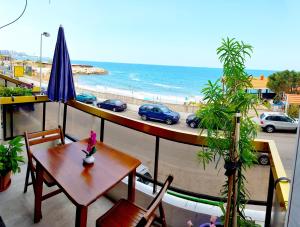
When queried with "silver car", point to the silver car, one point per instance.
{"points": [[271, 121]]}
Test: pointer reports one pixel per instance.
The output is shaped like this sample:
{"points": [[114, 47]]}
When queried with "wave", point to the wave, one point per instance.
{"points": [[147, 96], [166, 86], [133, 76]]}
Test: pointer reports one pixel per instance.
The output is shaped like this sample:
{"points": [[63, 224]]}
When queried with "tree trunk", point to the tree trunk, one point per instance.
{"points": [[231, 208]]}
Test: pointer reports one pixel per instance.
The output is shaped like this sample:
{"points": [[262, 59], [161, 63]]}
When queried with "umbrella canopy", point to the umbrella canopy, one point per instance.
{"points": [[61, 85]]}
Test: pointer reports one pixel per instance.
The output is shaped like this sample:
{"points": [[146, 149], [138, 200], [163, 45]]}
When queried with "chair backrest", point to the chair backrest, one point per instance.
{"points": [[34, 138], [155, 202]]}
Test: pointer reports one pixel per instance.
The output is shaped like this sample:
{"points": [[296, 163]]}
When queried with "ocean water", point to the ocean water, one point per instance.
{"points": [[173, 84]]}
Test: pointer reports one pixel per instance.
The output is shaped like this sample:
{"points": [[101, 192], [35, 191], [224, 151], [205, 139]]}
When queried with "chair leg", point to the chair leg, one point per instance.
{"points": [[162, 215], [33, 180], [27, 178]]}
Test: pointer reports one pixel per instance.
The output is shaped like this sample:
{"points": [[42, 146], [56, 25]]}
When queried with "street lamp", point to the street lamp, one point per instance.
{"points": [[46, 34]]}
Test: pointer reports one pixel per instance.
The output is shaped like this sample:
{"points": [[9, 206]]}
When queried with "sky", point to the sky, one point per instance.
{"points": [[163, 32]]}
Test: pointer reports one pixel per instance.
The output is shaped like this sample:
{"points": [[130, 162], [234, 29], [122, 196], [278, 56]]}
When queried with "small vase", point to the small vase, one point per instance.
{"points": [[89, 160]]}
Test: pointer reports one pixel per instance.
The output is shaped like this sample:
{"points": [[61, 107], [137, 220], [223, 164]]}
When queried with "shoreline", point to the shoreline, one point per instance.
{"points": [[188, 107], [130, 99]]}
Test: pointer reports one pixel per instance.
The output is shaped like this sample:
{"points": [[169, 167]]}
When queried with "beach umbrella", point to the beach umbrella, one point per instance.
{"points": [[61, 85]]}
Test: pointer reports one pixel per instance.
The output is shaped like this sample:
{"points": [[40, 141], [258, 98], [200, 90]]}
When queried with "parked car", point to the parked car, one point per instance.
{"points": [[86, 98], [193, 121], [113, 104], [263, 159], [158, 112], [271, 121], [143, 170]]}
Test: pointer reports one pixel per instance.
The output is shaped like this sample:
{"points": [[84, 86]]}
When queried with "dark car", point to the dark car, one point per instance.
{"points": [[193, 121], [86, 98], [158, 112], [113, 104]]}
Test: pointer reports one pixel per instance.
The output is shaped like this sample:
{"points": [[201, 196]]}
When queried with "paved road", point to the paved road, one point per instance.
{"points": [[285, 141]]}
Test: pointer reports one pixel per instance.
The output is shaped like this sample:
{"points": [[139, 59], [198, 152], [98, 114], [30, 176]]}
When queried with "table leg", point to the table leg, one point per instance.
{"points": [[38, 193], [131, 186], [81, 216]]}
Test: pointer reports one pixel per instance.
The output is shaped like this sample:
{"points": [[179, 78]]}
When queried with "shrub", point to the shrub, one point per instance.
{"points": [[267, 104], [14, 91], [293, 111]]}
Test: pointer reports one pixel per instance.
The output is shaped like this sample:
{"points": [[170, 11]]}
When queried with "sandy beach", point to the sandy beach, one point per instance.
{"points": [[191, 107]]}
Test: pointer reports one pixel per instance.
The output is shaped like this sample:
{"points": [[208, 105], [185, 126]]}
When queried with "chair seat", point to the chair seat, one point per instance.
{"points": [[123, 214], [48, 180]]}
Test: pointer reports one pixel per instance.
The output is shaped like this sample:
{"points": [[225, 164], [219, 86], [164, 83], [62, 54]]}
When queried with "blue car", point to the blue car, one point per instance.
{"points": [[113, 104], [158, 112], [86, 98], [193, 121]]}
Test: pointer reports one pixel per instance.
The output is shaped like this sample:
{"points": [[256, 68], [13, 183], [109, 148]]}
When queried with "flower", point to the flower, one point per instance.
{"points": [[91, 144]]}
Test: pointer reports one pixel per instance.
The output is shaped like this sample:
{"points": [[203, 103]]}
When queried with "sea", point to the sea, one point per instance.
{"points": [[160, 83]]}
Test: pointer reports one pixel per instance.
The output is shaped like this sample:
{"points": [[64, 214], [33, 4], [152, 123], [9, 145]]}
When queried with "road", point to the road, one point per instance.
{"points": [[285, 141], [175, 158]]}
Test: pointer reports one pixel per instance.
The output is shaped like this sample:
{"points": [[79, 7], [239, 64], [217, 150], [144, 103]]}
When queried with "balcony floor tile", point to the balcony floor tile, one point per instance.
{"points": [[17, 208]]}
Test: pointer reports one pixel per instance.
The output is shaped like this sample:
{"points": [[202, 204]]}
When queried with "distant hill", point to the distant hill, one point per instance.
{"points": [[23, 56]]}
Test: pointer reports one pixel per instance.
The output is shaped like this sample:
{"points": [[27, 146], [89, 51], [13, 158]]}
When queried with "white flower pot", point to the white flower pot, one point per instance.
{"points": [[89, 160]]}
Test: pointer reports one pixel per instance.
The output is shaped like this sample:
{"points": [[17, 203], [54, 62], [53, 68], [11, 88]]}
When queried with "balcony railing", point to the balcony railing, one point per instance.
{"points": [[78, 118]]}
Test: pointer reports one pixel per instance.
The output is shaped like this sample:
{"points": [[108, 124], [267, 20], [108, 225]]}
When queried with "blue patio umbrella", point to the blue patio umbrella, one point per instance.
{"points": [[61, 85]]}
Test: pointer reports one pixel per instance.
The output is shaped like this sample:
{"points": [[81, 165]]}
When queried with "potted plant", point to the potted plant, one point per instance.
{"points": [[230, 131], [10, 158]]}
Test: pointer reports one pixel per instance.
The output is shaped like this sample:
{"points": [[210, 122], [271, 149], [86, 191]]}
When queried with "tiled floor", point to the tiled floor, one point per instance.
{"points": [[16, 208]]}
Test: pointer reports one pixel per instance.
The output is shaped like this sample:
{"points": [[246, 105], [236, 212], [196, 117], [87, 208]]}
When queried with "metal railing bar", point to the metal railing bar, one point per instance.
{"points": [[156, 158], [44, 116], [102, 130], [11, 122], [269, 199], [65, 118], [71, 138], [4, 121]]}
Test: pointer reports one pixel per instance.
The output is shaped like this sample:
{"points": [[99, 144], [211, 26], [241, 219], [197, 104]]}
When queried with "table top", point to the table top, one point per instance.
{"points": [[84, 184]]}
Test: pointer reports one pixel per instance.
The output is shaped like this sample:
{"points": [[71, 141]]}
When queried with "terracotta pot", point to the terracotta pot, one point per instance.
{"points": [[5, 181]]}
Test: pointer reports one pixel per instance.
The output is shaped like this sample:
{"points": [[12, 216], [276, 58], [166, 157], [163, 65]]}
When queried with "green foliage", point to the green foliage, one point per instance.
{"points": [[224, 99], [267, 104], [10, 156], [284, 82], [293, 111], [14, 91]]}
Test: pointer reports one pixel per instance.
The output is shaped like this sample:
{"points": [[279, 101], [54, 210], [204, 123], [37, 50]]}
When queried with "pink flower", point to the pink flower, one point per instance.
{"points": [[92, 141]]}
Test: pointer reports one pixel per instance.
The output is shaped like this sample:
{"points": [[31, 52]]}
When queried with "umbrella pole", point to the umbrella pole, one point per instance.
{"points": [[58, 117]]}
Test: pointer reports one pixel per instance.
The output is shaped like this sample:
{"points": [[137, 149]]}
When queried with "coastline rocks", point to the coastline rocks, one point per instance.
{"points": [[87, 70], [76, 69]]}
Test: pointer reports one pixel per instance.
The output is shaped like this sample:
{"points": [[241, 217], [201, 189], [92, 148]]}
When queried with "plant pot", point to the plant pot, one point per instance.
{"points": [[89, 160], [5, 181]]}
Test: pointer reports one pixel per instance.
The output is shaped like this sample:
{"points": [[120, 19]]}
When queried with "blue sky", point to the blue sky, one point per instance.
{"points": [[167, 32]]}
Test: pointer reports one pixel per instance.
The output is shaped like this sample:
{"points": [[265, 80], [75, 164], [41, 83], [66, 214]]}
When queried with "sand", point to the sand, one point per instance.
{"points": [[186, 108]]}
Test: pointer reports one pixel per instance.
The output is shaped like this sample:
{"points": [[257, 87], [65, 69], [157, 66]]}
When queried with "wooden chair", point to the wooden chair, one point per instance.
{"points": [[35, 138], [127, 214]]}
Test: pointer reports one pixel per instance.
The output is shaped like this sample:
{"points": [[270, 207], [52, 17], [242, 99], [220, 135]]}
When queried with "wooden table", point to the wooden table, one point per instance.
{"points": [[82, 184]]}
